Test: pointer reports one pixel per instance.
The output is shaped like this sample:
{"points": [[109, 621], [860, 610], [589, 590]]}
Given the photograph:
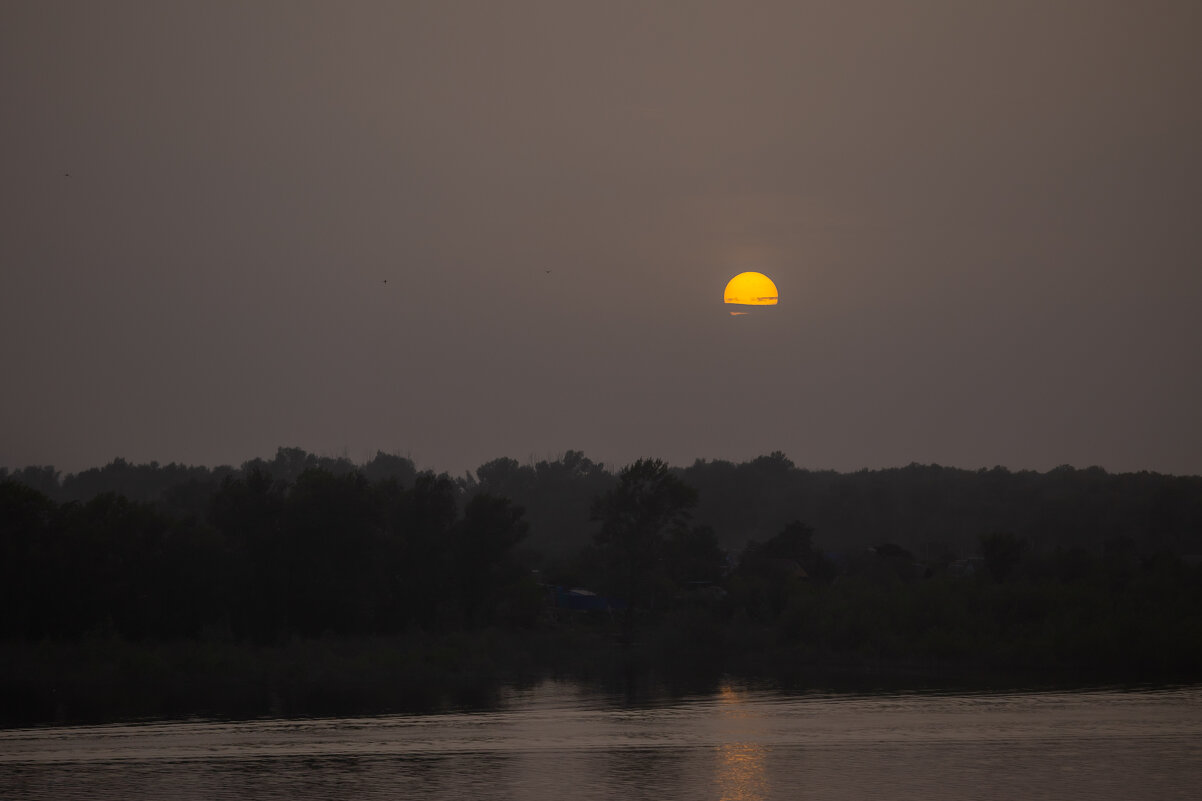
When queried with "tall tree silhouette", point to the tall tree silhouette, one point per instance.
{"points": [[482, 556], [636, 517]]}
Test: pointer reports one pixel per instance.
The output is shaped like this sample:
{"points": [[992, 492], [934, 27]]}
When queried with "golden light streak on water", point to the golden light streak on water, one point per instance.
{"points": [[741, 772]]}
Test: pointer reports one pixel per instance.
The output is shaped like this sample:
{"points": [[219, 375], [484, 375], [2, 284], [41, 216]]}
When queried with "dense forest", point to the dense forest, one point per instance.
{"points": [[760, 568], [928, 509]]}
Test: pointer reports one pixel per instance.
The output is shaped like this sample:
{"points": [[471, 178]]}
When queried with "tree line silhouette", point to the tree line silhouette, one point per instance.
{"points": [[325, 553], [754, 567], [927, 509]]}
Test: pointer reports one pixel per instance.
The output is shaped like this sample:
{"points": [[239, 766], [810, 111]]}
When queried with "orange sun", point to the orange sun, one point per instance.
{"points": [[750, 289]]}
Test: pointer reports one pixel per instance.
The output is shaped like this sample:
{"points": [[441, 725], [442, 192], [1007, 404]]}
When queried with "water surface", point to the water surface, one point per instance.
{"points": [[560, 741]]}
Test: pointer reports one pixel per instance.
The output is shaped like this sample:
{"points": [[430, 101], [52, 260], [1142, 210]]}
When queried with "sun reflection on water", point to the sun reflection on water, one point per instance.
{"points": [[741, 769], [741, 774]]}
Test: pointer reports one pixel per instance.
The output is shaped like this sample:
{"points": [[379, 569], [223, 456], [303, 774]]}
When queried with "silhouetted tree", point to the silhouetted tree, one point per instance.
{"points": [[418, 523], [556, 495], [769, 573], [505, 478], [796, 542], [385, 466], [45, 479], [482, 557], [636, 518]]}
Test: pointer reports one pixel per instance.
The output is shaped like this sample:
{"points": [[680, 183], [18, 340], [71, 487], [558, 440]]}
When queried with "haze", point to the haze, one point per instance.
{"points": [[460, 231]]}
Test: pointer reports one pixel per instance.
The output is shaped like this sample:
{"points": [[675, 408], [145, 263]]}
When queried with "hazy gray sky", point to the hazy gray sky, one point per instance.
{"points": [[984, 220]]}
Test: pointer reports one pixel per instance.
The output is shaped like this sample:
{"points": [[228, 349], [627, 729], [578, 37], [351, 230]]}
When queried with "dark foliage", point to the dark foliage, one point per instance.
{"points": [[638, 517], [328, 553], [1072, 570]]}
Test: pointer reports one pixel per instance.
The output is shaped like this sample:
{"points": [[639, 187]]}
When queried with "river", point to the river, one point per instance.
{"points": [[562, 741]]}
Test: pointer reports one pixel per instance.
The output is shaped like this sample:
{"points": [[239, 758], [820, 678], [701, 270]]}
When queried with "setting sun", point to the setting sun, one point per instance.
{"points": [[750, 289]]}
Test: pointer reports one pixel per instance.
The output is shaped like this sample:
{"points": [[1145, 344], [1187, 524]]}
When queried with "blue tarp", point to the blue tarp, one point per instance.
{"points": [[585, 601]]}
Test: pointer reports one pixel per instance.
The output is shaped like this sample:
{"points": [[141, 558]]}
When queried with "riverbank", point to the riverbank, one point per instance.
{"points": [[106, 679]]}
